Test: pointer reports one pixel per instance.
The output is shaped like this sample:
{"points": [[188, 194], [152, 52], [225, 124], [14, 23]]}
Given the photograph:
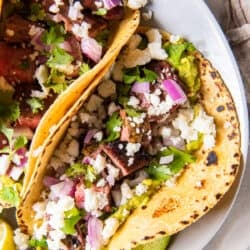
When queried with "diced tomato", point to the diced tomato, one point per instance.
{"points": [[15, 64]]}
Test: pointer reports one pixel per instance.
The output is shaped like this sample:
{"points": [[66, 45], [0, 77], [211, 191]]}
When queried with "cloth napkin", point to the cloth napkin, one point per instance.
{"points": [[234, 18]]}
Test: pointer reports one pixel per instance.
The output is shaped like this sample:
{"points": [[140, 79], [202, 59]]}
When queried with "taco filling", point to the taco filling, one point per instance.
{"points": [[135, 134], [44, 47]]}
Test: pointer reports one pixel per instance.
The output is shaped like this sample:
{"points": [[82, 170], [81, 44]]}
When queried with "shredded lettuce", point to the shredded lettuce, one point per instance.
{"points": [[164, 172], [112, 124]]}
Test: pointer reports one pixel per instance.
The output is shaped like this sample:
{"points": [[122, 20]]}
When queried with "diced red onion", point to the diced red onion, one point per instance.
{"points": [[89, 136], [15, 173], [109, 4], [64, 188], [49, 181], [111, 180], [38, 43], [86, 160], [91, 49], [95, 227], [66, 46], [23, 157], [79, 195], [141, 87], [4, 163], [175, 91]]}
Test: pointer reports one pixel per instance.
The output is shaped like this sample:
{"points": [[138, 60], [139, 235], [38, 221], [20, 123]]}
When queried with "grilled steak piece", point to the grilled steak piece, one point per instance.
{"points": [[116, 151], [133, 132], [16, 65], [16, 29]]}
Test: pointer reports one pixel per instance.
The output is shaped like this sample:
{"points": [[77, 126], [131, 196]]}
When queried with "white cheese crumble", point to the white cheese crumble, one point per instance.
{"points": [[110, 227], [21, 240], [54, 8], [136, 4], [141, 189], [98, 136], [132, 148], [166, 159], [174, 38], [126, 192], [130, 161], [99, 163], [94, 201], [81, 30], [75, 11], [101, 183], [39, 209], [4, 163], [133, 101]]}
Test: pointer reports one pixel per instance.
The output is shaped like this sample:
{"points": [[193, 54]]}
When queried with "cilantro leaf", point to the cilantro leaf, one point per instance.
{"points": [[9, 112], [164, 172], [84, 68], [59, 57], [112, 124], [100, 12], [56, 81], [71, 218], [20, 142], [150, 75], [132, 112], [55, 35], [136, 75], [38, 243], [102, 37], [37, 13], [36, 104]]}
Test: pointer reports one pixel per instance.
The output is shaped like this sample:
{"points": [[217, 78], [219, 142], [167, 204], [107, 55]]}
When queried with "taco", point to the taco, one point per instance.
{"points": [[49, 52], [143, 153]]}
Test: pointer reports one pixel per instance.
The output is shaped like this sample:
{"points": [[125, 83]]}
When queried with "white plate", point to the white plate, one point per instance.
{"points": [[193, 20]]}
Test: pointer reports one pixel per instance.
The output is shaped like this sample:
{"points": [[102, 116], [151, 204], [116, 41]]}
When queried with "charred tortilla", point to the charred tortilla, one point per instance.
{"points": [[199, 187]]}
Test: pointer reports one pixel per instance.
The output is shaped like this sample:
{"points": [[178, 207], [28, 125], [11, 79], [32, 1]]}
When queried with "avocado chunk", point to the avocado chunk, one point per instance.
{"points": [[158, 244]]}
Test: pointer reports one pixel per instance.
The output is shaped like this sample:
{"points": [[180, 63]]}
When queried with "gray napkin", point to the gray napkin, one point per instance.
{"points": [[234, 17]]}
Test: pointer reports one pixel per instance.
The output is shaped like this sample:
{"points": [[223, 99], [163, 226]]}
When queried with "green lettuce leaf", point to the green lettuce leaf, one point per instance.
{"points": [[114, 121]]}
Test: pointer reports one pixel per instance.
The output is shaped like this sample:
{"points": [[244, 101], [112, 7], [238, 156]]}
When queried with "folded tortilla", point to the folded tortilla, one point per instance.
{"points": [[199, 188], [65, 100]]}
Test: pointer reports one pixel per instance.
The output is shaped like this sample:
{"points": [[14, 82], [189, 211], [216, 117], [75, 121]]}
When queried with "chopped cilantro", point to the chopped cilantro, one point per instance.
{"points": [[135, 74], [37, 13], [164, 172], [38, 243], [84, 68], [36, 104], [79, 169], [71, 218], [112, 124], [132, 112], [56, 81], [100, 12], [55, 35], [59, 57]]}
